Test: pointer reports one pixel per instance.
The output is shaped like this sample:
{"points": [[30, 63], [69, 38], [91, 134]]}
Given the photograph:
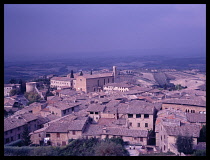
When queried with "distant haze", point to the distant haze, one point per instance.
{"points": [[51, 31]]}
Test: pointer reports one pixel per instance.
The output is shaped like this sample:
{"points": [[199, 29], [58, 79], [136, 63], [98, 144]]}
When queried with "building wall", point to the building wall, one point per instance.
{"points": [[58, 84], [131, 140], [108, 115], [8, 89], [15, 134], [81, 84], [92, 84], [113, 88], [142, 122], [55, 110], [95, 117], [183, 108], [74, 134], [37, 137], [57, 139]]}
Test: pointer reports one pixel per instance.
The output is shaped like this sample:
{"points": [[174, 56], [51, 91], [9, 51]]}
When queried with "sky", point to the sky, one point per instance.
{"points": [[47, 31]]}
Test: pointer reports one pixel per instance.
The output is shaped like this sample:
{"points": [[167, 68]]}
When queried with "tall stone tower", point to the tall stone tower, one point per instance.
{"points": [[114, 71]]}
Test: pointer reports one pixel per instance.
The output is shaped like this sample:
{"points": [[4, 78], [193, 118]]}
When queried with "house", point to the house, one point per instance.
{"points": [[122, 87], [61, 109], [14, 126], [59, 131], [128, 135], [139, 114], [170, 123], [59, 82], [170, 129], [9, 87], [95, 111], [185, 105]]}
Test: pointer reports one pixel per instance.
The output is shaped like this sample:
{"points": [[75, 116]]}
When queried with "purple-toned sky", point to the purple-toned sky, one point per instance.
{"points": [[39, 31]]}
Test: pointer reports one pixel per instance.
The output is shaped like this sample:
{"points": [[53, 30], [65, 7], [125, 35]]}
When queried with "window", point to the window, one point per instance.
{"points": [[91, 112], [6, 133], [72, 109], [11, 138], [10, 131], [146, 124], [64, 112], [96, 112], [141, 139], [130, 124], [18, 136], [47, 135], [146, 115], [161, 138], [80, 79], [164, 147], [18, 128], [138, 115], [39, 135], [58, 135], [108, 80], [73, 132], [104, 81], [130, 115], [138, 124], [98, 82]]}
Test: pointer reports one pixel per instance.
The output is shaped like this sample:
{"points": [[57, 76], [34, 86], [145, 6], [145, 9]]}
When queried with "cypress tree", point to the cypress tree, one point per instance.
{"points": [[72, 74], [26, 137]]}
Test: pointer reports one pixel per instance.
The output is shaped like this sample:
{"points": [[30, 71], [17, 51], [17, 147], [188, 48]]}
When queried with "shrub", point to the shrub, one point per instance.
{"points": [[199, 153], [17, 151], [109, 148]]}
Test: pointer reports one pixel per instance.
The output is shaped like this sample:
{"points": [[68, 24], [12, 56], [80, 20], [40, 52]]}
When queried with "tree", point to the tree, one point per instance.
{"points": [[72, 74], [202, 137], [109, 148], [178, 87], [13, 81], [81, 74], [32, 97], [13, 92], [199, 153], [26, 138], [184, 144]]}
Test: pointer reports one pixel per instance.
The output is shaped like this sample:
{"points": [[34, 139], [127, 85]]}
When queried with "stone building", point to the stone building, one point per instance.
{"points": [[61, 109], [14, 126], [170, 123], [59, 82], [9, 87], [138, 114], [170, 129], [122, 87], [95, 82], [185, 105], [59, 131]]}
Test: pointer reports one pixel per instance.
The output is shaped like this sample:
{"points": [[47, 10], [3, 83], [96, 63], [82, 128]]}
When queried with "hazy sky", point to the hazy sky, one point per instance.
{"points": [[57, 30]]}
